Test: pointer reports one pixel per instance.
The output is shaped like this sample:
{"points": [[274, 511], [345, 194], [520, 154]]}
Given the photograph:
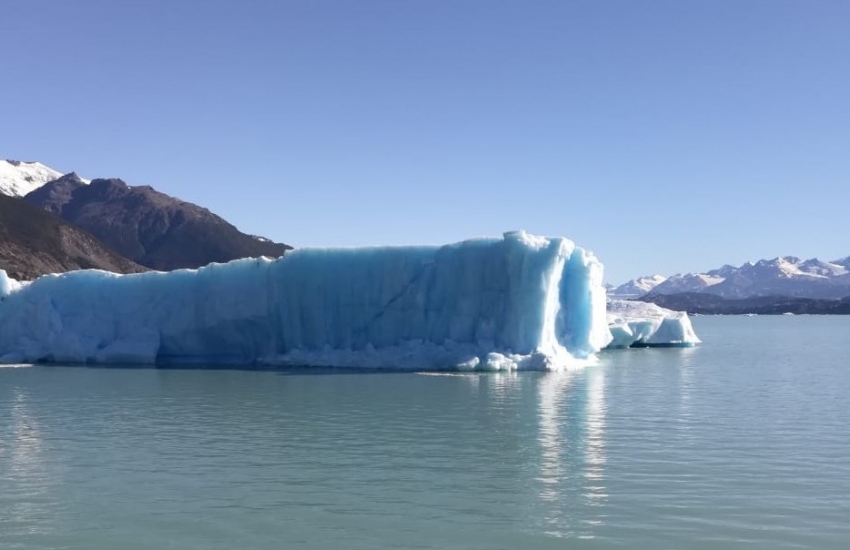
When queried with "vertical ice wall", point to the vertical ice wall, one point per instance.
{"points": [[516, 302]]}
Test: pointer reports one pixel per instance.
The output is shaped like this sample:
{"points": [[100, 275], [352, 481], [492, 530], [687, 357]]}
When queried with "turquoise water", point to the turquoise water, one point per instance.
{"points": [[743, 442]]}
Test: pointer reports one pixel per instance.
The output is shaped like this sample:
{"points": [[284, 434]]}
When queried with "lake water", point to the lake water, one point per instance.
{"points": [[743, 442]]}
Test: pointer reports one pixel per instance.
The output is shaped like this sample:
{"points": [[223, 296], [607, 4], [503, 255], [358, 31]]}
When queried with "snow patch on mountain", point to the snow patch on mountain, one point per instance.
{"points": [[689, 282], [637, 287], [17, 178], [824, 269]]}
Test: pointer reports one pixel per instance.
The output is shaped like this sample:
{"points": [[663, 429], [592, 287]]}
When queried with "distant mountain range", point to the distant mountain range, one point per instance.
{"points": [[142, 225], [783, 276]]}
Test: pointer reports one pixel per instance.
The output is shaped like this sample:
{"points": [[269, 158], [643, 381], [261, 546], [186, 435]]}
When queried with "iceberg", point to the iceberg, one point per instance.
{"points": [[516, 302], [642, 324]]}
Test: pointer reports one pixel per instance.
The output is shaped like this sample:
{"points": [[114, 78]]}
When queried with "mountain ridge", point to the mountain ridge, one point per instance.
{"points": [[144, 225], [147, 226], [781, 276]]}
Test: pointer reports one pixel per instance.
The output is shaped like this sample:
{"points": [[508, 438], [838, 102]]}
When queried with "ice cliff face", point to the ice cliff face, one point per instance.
{"points": [[519, 302]]}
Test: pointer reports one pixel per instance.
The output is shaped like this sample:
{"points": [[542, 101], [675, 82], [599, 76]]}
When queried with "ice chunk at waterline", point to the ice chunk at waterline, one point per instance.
{"points": [[641, 324], [511, 303]]}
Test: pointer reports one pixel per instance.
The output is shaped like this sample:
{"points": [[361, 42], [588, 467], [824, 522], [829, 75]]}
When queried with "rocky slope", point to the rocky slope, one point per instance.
{"points": [[34, 242], [149, 227]]}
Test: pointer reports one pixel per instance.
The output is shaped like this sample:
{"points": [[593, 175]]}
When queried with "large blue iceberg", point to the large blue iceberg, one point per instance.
{"points": [[518, 302]]}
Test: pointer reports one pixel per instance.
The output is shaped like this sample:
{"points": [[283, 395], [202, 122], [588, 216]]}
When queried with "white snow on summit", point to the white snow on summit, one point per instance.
{"points": [[823, 269], [843, 262], [637, 287], [17, 178], [689, 282]]}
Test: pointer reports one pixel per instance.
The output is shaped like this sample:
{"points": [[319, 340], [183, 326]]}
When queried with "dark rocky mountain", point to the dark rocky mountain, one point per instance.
{"points": [[149, 227], [34, 242], [712, 304], [55, 196]]}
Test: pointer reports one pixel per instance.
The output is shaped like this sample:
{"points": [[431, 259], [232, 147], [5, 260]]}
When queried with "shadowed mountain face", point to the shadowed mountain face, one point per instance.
{"points": [[57, 194], [149, 227], [34, 242]]}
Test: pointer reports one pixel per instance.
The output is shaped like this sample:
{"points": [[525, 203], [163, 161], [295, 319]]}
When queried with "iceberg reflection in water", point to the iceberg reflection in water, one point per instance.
{"points": [[571, 437], [27, 481], [594, 452]]}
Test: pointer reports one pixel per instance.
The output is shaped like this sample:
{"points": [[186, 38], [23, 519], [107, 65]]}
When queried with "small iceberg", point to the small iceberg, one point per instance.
{"points": [[641, 324]]}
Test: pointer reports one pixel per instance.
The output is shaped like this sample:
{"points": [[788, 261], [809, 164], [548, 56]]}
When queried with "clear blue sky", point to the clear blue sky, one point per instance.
{"points": [[663, 135]]}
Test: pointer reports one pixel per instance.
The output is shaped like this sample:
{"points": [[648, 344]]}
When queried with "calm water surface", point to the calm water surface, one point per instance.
{"points": [[741, 443]]}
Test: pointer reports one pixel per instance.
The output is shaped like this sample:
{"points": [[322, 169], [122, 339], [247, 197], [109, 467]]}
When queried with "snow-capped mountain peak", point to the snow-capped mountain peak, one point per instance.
{"points": [[688, 282], [637, 287], [17, 178], [722, 272], [843, 262], [825, 269], [791, 267]]}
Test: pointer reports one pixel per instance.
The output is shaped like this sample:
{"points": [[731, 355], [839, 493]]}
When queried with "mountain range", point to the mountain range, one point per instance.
{"points": [[140, 225], [782, 276]]}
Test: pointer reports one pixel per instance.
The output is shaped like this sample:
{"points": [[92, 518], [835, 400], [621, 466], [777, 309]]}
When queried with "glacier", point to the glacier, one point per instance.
{"points": [[516, 302]]}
